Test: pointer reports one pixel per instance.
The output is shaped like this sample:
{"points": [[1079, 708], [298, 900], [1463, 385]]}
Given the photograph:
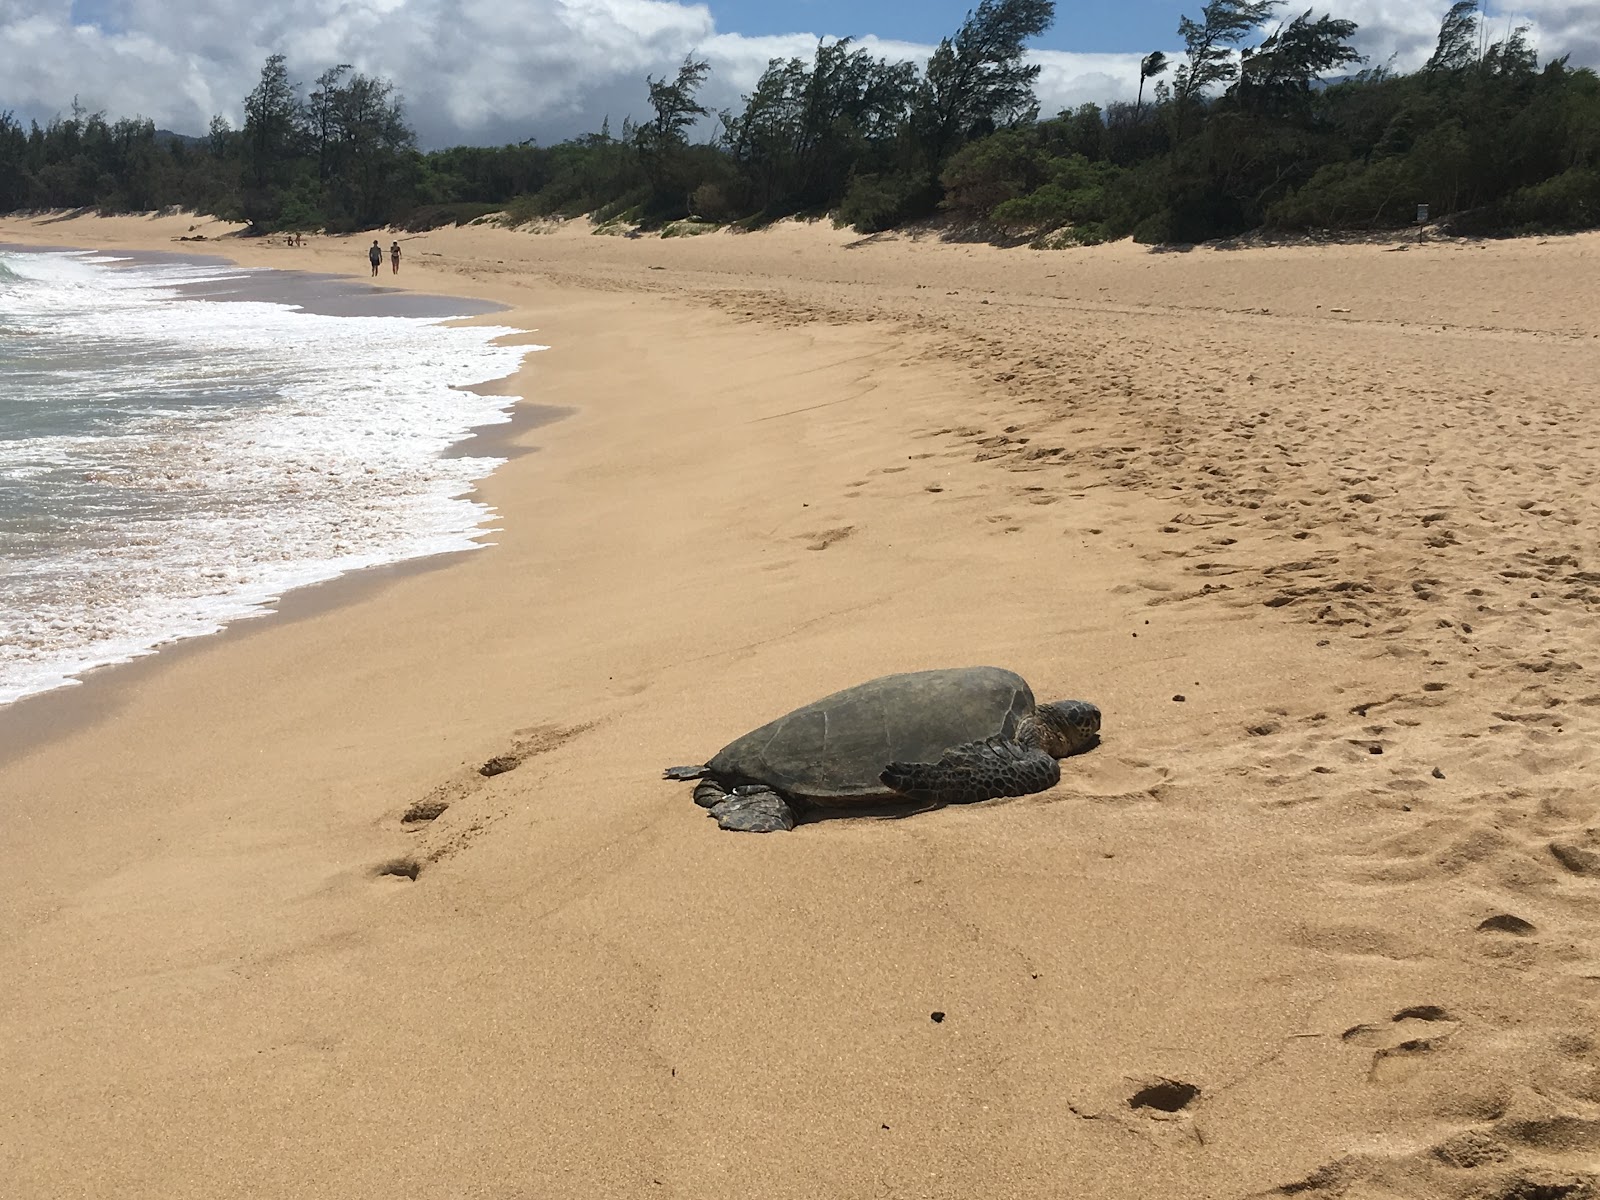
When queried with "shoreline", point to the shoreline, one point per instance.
{"points": [[31, 721], [327, 294], [1288, 550]]}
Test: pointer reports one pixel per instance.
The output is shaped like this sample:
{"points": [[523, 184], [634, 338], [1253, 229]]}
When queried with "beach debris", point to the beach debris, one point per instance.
{"points": [[1179, 698], [937, 1017], [921, 738], [1437, 773]]}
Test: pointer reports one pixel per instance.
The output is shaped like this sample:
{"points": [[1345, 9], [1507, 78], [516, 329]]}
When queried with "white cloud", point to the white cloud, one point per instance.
{"points": [[487, 71]]}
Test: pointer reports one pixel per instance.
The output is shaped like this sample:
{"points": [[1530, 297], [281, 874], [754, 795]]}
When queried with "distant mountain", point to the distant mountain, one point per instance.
{"points": [[165, 137]]}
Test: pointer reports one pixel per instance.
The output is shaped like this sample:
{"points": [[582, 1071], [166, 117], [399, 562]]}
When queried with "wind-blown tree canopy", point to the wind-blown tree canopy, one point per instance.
{"points": [[1280, 72], [1209, 45], [1458, 39], [1151, 65], [808, 125], [662, 142], [976, 81]]}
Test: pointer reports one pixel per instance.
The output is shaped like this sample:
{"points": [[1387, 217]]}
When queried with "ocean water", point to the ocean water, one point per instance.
{"points": [[175, 455]]}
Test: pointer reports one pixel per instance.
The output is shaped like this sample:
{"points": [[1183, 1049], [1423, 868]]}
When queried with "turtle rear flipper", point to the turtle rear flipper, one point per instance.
{"points": [[699, 772], [753, 810], [975, 771]]}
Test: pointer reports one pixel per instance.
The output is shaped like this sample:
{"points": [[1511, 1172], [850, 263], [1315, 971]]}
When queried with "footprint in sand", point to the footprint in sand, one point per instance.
{"points": [[1162, 1097], [423, 812], [827, 537], [1408, 1035], [398, 870], [457, 792]]}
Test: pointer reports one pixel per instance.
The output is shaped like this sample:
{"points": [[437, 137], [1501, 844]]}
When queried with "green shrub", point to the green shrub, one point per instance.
{"points": [[689, 228], [1362, 195], [994, 171], [1154, 229], [712, 202], [874, 203], [1570, 200]]}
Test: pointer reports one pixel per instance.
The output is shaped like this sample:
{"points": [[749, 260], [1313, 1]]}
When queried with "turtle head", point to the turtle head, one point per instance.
{"points": [[1066, 727]]}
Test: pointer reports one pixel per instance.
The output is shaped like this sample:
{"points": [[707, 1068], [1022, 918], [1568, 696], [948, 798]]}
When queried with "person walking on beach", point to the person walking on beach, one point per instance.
{"points": [[375, 256], [394, 256]]}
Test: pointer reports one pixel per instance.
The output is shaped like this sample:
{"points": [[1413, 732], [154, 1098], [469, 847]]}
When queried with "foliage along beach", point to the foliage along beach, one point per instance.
{"points": [[1270, 120], [1313, 525]]}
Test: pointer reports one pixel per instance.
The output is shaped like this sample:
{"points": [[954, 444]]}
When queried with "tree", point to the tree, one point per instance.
{"points": [[13, 160], [1278, 74], [271, 118], [1458, 39], [661, 142], [267, 144], [976, 82], [676, 107], [807, 125], [1209, 45], [323, 117], [1151, 65], [1514, 56], [220, 137], [372, 142]]}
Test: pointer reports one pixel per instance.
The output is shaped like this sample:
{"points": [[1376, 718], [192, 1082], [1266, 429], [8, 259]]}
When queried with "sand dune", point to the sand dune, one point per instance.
{"points": [[1314, 526]]}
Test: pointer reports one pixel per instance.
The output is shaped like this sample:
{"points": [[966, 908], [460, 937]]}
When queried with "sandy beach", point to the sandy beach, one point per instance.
{"points": [[1315, 526]]}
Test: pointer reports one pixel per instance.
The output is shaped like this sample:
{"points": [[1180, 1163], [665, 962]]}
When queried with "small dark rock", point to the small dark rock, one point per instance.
{"points": [[1374, 749], [1179, 698], [937, 1017], [1438, 774]]}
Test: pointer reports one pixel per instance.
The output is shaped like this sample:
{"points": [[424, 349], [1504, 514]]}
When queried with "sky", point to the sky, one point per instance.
{"points": [[492, 71]]}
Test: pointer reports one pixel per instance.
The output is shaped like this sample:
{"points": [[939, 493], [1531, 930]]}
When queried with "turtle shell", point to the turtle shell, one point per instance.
{"points": [[832, 750]]}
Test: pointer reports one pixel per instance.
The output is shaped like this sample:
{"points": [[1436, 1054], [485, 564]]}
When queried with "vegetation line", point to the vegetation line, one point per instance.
{"points": [[1262, 126]]}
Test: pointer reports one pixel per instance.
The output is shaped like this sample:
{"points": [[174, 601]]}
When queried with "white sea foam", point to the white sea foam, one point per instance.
{"points": [[169, 465]]}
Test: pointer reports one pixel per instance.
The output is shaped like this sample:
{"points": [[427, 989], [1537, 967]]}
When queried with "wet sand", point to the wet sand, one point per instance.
{"points": [[1315, 528]]}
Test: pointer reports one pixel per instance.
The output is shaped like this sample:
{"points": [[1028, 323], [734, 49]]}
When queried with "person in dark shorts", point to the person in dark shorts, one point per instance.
{"points": [[375, 256], [394, 256]]}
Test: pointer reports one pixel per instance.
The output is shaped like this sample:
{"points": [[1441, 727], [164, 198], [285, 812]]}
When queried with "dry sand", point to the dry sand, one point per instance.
{"points": [[1315, 527]]}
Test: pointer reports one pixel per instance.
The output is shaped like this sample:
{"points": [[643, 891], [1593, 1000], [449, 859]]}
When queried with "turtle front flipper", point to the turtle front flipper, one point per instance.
{"points": [[699, 772], [751, 809], [975, 771]]}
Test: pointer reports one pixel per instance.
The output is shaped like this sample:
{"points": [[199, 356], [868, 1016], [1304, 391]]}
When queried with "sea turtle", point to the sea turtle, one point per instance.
{"points": [[950, 736]]}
